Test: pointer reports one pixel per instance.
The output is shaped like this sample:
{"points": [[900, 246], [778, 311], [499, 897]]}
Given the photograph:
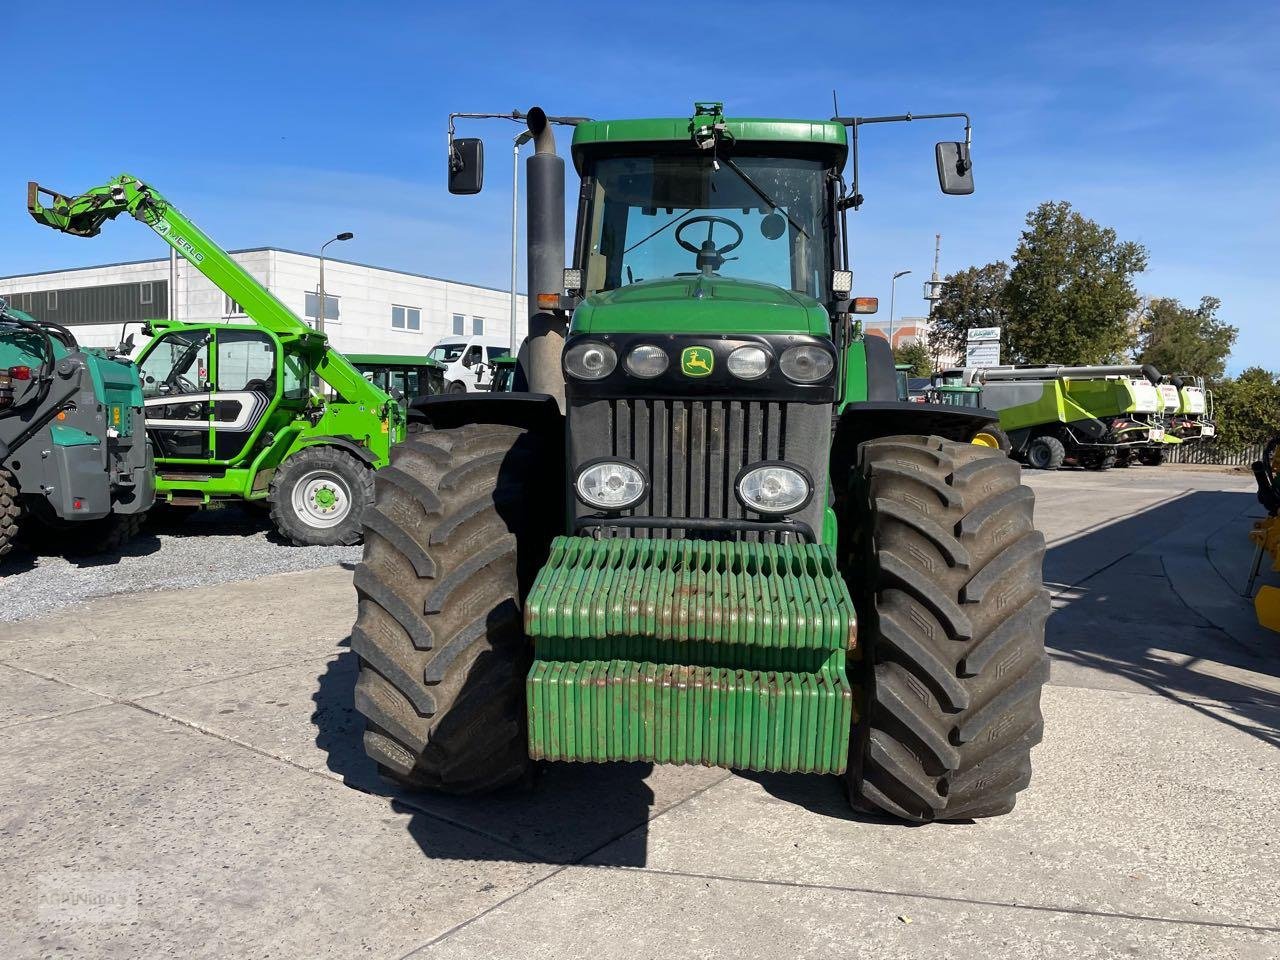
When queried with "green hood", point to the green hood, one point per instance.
{"points": [[710, 305]]}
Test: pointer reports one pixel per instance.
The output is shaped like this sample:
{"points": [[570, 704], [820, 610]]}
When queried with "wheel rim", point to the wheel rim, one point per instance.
{"points": [[321, 499], [1038, 455], [985, 440]]}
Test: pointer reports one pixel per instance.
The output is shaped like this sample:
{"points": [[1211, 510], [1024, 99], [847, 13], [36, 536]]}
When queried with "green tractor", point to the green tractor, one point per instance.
{"points": [[503, 378], [74, 455], [230, 407], [712, 533]]}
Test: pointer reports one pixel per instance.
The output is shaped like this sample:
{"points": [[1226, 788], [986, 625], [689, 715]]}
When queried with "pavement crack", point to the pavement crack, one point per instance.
{"points": [[948, 898]]}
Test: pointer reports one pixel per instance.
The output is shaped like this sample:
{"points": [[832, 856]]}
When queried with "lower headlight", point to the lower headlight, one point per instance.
{"points": [[773, 488], [806, 363], [610, 485], [590, 361]]}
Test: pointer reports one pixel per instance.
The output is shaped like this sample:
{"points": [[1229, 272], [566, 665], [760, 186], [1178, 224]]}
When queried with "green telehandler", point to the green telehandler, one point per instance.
{"points": [[74, 456], [229, 407], [711, 533]]}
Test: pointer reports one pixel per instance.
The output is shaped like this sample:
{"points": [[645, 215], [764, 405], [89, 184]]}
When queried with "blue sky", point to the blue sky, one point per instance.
{"points": [[281, 123]]}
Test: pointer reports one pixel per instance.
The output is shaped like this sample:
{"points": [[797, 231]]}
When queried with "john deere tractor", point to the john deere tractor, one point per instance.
{"points": [[712, 533], [74, 456]]}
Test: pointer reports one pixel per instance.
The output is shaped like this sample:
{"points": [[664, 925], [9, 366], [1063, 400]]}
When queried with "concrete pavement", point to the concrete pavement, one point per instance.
{"points": [[183, 776]]}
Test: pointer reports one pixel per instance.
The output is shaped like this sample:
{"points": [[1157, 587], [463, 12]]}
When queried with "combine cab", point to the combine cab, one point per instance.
{"points": [[74, 454], [714, 534]]}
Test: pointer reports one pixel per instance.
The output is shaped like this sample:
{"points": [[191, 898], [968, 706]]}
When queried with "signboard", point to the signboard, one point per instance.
{"points": [[983, 347], [984, 353]]}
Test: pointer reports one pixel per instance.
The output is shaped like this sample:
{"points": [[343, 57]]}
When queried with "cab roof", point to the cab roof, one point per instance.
{"points": [[592, 134]]}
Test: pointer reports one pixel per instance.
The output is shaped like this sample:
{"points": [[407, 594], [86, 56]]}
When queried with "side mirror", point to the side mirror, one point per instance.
{"points": [[466, 165], [955, 170]]}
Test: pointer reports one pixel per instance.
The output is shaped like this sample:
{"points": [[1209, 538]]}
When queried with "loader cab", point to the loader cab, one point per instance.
{"points": [[209, 391]]}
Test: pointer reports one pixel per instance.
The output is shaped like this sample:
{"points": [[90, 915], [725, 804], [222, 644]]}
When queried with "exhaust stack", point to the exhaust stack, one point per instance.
{"points": [[544, 210]]}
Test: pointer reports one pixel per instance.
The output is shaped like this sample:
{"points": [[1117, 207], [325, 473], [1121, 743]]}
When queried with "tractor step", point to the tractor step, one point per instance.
{"points": [[687, 651]]}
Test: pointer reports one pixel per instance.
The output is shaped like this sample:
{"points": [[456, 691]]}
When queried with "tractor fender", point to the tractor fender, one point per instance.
{"points": [[531, 411], [363, 454], [860, 422]]}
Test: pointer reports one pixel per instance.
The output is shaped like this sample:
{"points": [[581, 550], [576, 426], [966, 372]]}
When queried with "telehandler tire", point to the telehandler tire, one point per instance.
{"points": [[9, 511], [945, 568], [319, 497], [462, 522], [1046, 453]]}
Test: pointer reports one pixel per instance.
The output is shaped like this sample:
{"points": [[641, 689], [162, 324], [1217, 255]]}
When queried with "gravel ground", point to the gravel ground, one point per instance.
{"points": [[206, 547]]}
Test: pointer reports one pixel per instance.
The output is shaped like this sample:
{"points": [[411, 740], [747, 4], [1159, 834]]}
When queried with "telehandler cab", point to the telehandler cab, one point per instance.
{"points": [[713, 534], [229, 407]]}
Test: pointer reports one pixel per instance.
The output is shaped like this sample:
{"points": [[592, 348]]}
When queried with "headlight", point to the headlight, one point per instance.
{"points": [[610, 485], [590, 361], [748, 363], [806, 363], [647, 361], [773, 488]]}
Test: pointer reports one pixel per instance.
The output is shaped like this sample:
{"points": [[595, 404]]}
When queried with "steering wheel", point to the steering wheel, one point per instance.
{"points": [[710, 257]]}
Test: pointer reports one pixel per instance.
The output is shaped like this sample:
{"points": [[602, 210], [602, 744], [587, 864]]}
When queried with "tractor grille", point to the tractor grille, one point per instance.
{"points": [[693, 450]]}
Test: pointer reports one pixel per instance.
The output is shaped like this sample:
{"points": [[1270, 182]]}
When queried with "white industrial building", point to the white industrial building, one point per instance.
{"points": [[368, 309]]}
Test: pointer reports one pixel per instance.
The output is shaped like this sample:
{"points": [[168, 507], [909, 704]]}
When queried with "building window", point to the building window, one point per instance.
{"points": [[144, 293], [459, 325], [477, 326], [330, 307], [406, 318], [51, 300], [232, 309]]}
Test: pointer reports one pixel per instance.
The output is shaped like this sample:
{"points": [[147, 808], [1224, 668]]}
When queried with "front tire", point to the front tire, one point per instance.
{"points": [[319, 497], [1046, 453], [1151, 458], [457, 386], [993, 437], [945, 567], [10, 509], [461, 525]]}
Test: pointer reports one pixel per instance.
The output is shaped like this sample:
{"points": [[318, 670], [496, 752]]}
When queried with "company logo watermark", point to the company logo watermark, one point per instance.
{"points": [[98, 896]]}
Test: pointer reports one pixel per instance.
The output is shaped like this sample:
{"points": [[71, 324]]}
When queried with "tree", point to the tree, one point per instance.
{"points": [[1247, 409], [1178, 339], [1070, 293], [970, 298], [916, 354]]}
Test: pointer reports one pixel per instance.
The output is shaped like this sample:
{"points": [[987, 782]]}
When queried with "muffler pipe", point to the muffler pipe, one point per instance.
{"points": [[544, 215]]}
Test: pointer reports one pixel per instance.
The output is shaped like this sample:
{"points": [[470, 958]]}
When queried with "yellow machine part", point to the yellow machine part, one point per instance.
{"points": [[983, 439], [1267, 606]]}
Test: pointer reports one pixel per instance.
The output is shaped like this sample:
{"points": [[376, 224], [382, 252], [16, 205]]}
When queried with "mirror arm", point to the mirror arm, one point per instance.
{"points": [[854, 200], [519, 116]]}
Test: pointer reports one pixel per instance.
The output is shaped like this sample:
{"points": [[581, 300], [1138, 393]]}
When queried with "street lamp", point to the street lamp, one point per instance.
{"points": [[893, 292], [346, 235]]}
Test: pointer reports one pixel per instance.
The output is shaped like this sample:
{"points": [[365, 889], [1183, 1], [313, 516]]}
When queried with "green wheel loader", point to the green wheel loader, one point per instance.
{"points": [[711, 533], [229, 406], [74, 455], [1056, 415]]}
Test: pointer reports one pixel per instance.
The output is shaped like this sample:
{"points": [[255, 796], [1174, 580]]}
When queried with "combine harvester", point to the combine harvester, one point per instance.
{"points": [[230, 407], [657, 555], [74, 456], [1056, 415]]}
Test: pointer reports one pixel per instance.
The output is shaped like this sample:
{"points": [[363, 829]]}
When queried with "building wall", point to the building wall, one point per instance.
{"points": [[365, 297]]}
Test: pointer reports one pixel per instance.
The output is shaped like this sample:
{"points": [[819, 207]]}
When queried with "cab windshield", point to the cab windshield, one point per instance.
{"points": [[757, 218]]}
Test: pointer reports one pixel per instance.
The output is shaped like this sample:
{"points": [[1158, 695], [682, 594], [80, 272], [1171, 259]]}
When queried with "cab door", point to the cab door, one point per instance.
{"points": [[245, 387], [175, 389]]}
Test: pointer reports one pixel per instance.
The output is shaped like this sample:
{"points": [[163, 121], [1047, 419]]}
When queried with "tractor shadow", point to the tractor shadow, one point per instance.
{"points": [[1119, 624], [564, 815]]}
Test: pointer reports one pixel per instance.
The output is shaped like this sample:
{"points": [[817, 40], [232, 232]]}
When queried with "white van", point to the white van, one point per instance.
{"points": [[467, 361]]}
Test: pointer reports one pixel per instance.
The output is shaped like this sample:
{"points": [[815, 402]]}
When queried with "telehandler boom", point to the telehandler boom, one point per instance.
{"points": [[229, 406]]}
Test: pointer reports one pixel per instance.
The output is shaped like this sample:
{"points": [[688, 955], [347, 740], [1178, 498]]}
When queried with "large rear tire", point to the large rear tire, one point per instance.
{"points": [[460, 526], [944, 565], [9, 512], [319, 497]]}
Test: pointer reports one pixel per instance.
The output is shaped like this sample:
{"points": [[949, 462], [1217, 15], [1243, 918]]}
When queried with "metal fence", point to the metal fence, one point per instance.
{"points": [[1208, 452]]}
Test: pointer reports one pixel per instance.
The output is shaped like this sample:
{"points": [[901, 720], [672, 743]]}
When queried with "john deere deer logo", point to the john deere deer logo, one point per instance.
{"points": [[696, 361]]}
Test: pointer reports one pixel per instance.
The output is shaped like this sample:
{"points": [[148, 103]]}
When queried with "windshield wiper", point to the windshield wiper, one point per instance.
{"points": [[761, 194], [658, 231]]}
